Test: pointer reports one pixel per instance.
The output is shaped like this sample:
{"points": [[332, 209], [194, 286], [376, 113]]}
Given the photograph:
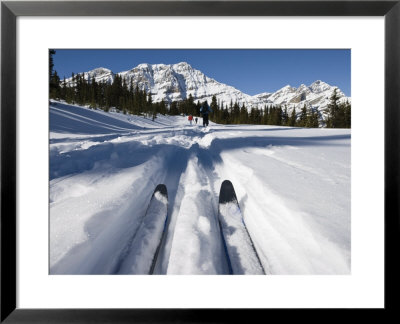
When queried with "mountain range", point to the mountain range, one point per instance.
{"points": [[175, 82]]}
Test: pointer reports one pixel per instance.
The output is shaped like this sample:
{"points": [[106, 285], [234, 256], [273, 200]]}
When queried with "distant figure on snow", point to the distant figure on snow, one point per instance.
{"points": [[205, 110], [190, 118], [196, 119]]}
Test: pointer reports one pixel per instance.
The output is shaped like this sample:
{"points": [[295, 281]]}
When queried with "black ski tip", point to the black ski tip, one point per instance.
{"points": [[227, 192], [161, 188]]}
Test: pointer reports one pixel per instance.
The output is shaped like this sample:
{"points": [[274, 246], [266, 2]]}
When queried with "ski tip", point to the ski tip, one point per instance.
{"points": [[162, 189], [227, 192], [226, 183]]}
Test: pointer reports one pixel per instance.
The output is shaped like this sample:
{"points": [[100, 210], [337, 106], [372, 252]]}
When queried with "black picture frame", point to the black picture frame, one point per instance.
{"points": [[10, 10]]}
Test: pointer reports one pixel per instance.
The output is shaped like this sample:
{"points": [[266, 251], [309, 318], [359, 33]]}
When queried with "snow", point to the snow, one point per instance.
{"points": [[292, 185], [196, 247]]}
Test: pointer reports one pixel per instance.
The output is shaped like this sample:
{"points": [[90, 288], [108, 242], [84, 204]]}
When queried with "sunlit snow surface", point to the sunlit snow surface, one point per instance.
{"points": [[292, 184]]}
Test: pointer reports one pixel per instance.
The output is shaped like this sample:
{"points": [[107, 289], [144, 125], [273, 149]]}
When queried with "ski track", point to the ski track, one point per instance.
{"points": [[101, 184], [294, 246], [196, 246]]}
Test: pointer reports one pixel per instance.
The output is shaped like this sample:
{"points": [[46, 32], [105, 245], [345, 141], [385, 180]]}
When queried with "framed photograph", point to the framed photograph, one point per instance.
{"points": [[196, 140]]}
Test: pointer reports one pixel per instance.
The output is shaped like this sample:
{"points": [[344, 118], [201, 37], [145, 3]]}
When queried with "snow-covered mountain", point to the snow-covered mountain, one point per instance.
{"points": [[175, 82], [99, 74], [316, 95]]}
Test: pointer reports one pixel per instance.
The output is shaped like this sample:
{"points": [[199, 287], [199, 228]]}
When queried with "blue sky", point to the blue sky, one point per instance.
{"points": [[251, 71]]}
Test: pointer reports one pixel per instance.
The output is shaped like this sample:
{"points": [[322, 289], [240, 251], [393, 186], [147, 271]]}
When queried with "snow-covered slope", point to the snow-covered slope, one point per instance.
{"points": [[293, 187], [176, 82]]}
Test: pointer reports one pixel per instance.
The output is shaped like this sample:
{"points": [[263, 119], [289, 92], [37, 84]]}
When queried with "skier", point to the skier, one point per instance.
{"points": [[190, 118], [205, 110], [196, 120]]}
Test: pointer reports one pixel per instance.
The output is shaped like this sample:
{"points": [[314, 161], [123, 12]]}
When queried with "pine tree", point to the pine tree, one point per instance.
{"points": [[225, 117], [347, 115], [149, 104], [191, 107], [292, 118], [174, 109], [236, 113], [285, 117], [69, 91], [244, 115], [341, 116], [93, 93], [54, 80], [303, 117], [63, 89], [214, 103], [55, 88], [79, 89], [333, 109], [266, 115], [163, 107], [312, 118], [279, 115], [51, 62]]}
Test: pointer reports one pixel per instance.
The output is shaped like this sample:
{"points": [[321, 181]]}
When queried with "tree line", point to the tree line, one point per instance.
{"points": [[128, 98], [338, 114]]}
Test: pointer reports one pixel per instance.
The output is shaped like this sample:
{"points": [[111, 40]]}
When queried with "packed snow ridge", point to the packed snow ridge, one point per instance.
{"points": [[175, 82], [292, 185]]}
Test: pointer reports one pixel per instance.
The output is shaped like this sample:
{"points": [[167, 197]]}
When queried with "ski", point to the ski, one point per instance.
{"points": [[146, 243], [162, 190], [241, 253]]}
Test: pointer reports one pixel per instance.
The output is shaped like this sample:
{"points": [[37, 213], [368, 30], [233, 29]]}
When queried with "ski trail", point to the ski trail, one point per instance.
{"points": [[286, 240], [175, 168], [115, 200], [170, 179], [106, 205], [146, 241], [196, 246]]}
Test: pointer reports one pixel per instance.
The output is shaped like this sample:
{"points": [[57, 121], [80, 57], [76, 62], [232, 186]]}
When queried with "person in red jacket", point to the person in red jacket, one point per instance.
{"points": [[190, 118]]}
